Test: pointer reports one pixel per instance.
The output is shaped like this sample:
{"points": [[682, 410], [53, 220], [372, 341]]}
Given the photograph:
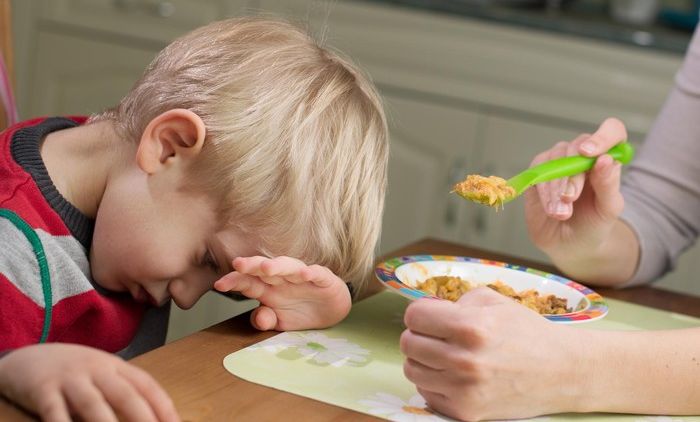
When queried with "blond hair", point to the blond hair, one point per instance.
{"points": [[297, 143]]}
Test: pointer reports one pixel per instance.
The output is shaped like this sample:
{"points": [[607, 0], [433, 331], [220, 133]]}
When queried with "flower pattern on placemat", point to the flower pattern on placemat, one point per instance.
{"points": [[394, 408], [316, 347]]}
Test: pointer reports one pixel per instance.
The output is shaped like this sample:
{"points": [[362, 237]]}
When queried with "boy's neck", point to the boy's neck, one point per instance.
{"points": [[80, 161]]}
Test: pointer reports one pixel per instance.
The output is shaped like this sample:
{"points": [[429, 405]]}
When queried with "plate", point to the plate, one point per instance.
{"points": [[403, 273]]}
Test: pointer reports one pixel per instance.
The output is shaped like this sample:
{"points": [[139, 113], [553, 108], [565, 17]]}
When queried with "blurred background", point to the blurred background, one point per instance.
{"points": [[471, 86]]}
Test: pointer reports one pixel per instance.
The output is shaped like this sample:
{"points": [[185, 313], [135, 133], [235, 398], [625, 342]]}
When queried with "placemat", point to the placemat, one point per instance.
{"points": [[358, 365]]}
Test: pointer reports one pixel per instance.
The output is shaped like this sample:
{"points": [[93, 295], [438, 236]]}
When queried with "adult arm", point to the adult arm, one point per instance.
{"points": [[662, 186], [581, 223]]}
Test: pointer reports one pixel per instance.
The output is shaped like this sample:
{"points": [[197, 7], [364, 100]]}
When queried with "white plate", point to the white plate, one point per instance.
{"points": [[402, 275]]}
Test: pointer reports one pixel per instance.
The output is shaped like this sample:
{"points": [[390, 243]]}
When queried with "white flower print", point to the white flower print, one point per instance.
{"points": [[316, 347], [395, 409]]}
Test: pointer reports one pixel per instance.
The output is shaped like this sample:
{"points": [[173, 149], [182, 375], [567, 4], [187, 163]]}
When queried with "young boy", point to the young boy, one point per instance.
{"points": [[244, 152]]}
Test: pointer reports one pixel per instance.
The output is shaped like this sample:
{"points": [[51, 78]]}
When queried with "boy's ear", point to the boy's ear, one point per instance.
{"points": [[169, 138]]}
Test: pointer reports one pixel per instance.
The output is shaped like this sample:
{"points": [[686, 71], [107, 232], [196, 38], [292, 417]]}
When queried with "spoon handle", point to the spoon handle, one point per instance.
{"points": [[568, 166]]}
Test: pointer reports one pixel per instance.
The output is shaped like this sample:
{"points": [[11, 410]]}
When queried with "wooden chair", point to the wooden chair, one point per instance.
{"points": [[7, 102]]}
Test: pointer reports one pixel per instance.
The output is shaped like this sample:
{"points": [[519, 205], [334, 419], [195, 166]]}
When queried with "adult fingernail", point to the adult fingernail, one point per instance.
{"points": [[588, 147], [562, 208]]}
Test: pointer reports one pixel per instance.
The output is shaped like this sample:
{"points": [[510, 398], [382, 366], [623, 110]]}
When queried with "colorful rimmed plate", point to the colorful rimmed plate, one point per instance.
{"points": [[402, 274]]}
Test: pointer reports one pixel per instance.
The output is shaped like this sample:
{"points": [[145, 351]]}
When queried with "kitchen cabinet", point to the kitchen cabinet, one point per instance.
{"points": [[430, 145], [73, 75], [81, 56]]}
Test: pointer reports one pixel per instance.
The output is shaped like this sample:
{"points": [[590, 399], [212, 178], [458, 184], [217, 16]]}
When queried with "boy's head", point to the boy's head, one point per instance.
{"points": [[295, 142]]}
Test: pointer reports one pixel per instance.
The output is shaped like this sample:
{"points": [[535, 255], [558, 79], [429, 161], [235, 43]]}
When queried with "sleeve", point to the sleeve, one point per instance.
{"points": [[662, 185]]}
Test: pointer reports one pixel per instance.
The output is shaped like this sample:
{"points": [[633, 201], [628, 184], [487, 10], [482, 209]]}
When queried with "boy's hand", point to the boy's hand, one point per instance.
{"points": [[292, 295], [57, 380]]}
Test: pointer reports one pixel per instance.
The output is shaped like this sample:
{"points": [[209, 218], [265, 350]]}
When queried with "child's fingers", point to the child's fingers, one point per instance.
{"points": [[86, 401], [52, 407], [124, 398], [248, 264], [282, 269], [226, 283], [234, 281], [273, 271], [247, 285], [319, 275], [263, 318], [158, 400]]}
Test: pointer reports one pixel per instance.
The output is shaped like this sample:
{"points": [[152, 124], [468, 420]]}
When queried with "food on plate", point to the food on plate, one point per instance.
{"points": [[452, 288]]}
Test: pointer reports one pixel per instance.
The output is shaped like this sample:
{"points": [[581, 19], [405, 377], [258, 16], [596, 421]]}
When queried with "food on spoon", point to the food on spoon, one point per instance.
{"points": [[452, 288], [492, 191]]}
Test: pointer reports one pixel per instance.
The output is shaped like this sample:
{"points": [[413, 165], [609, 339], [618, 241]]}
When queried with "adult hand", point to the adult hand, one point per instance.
{"points": [[58, 380], [488, 357], [576, 214], [292, 295]]}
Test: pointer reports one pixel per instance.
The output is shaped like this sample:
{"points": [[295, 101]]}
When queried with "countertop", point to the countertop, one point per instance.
{"points": [[584, 18]]}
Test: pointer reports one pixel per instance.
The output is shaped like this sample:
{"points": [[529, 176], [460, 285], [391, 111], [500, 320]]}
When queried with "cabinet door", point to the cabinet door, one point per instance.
{"points": [[431, 145], [508, 146], [81, 76], [137, 21]]}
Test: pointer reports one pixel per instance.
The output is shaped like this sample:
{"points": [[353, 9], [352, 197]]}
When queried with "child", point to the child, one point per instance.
{"points": [[244, 152]]}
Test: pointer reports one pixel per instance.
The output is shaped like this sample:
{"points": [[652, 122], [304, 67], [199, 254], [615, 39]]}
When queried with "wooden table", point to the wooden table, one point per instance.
{"points": [[192, 372]]}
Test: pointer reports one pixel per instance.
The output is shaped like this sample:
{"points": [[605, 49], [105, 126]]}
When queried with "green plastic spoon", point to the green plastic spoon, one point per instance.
{"points": [[549, 170]]}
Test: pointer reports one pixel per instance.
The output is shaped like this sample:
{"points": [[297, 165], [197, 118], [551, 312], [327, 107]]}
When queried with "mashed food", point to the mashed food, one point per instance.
{"points": [[452, 288], [491, 191]]}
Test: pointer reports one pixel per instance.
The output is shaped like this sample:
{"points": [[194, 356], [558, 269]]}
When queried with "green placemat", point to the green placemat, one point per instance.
{"points": [[357, 364]]}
